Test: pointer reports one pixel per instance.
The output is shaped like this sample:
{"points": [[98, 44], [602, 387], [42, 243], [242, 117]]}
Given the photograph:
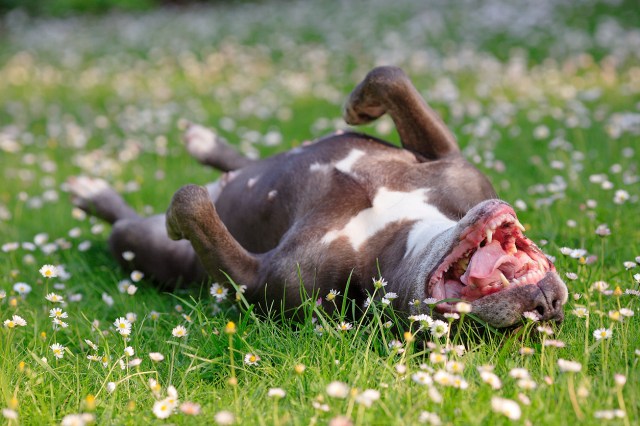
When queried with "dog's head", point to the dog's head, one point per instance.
{"points": [[487, 261]]}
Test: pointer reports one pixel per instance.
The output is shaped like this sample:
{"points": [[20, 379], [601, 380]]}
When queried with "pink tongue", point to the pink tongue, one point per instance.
{"points": [[484, 264]]}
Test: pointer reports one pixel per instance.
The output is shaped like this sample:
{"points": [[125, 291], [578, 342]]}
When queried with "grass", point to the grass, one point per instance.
{"points": [[543, 99]]}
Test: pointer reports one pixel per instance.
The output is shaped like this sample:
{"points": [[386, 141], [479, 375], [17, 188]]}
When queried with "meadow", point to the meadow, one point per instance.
{"points": [[544, 97]]}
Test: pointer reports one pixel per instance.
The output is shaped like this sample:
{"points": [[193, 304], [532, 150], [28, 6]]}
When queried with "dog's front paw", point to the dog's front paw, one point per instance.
{"points": [[189, 206]]}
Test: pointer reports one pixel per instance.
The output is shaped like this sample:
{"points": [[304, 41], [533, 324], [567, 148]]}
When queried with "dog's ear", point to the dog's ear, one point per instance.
{"points": [[389, 90]]}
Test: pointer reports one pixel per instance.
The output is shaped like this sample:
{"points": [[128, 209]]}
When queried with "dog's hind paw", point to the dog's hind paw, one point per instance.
{"points": [[85, 191]]}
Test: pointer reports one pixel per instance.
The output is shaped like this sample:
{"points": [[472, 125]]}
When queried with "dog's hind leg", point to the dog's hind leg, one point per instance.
{"points": [[389, 90], [212, 150], [137, 242], [192, 216]]}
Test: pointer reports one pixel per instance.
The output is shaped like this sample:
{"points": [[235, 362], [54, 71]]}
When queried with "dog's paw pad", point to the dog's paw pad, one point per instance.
{"points": [[85, 190], [200, 141]]}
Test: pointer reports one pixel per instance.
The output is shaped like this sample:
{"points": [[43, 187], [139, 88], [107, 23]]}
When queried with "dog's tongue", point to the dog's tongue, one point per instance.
{"points": [[487, 263]]}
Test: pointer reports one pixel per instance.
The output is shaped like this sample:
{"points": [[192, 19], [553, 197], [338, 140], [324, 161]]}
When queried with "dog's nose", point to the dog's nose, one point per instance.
{"points": [[549, 299]]}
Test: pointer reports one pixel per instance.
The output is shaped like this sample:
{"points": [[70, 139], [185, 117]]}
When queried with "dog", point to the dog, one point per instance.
{"points": [[344, 209]]}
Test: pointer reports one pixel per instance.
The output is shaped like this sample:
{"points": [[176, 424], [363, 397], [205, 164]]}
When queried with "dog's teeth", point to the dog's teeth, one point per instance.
{"points": [[542, 266], [489, 236], [505, 281], [520, 226]]}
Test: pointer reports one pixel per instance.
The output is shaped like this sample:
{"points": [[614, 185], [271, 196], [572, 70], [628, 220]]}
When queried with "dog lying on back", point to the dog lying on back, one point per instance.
{"points": [[339, 210]]}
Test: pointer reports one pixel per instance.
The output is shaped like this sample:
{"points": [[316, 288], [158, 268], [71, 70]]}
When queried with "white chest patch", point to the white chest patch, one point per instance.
{"points": [[346, 164], [388, 207], [423, 232]]}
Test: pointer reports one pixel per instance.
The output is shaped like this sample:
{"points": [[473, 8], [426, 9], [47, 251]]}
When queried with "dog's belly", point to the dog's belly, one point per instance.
{"points": [[337, 179], [260, 203]]}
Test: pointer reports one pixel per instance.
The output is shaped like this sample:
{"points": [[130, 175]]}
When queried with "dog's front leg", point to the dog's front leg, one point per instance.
{"points": [[192, 216]]}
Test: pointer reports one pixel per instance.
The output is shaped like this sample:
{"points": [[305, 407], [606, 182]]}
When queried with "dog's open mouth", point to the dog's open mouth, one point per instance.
{"points": [[493, 254]]}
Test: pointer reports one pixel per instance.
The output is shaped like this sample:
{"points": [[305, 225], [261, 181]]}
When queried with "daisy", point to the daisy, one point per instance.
{"points": [[368, 397], [78, 419], [527, 351], [332, 295], [531, 316], [429, 418], [344, 326], [128, 351], [625, 312], [224, 418], [55, 298], [422, 378], [379, 283], [22, 288], [111, 386], [58, 350], [602, 333], [136, 276], [190, 408], [162, 409], [123, 326], [128, 255], [219, 292], [519, 373], [123, 285], [391, 295], [526, 384], [251, 359], [49, 271], [437, 358], [57, 313], [506, 407], [230, 328], [463, 307], [439, 328], [179, 331], [15, 321], [131, 317], [569, 366], [581, 312], [276, 393], [107, 299], [337, 390], [58, 323], [91, 344], [491, 379], [424, 319]]}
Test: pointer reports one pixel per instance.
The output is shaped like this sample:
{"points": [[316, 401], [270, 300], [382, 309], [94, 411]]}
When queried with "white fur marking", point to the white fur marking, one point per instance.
{"points": [[388, 207], [272, 194], [346, 164], [319, 167], [423, 231], [251, 182]]}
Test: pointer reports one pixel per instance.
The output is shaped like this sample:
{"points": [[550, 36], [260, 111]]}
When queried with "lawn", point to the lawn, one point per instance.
{"points": [[544, 97]]}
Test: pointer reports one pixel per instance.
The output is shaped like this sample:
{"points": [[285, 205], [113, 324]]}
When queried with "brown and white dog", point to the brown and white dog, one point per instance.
{"points": [[342, 210]]}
